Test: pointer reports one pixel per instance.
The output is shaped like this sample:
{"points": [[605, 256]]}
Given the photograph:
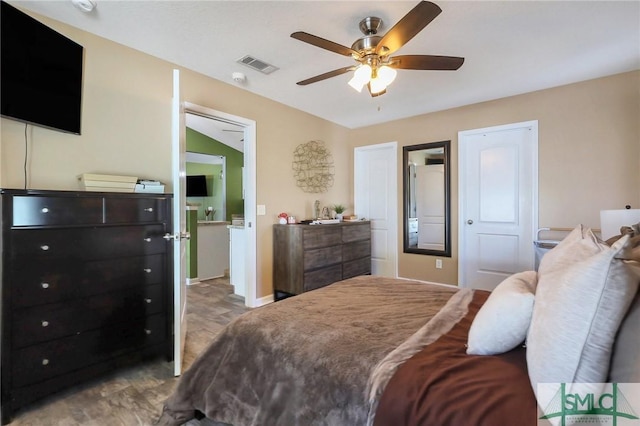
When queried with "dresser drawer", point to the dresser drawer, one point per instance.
{"points": [[315, 236], [42, 211], [140, 210], [52, 281], [357, 250], [356, 267], [322, 277], [49, 322], [88, 243], [356, 232], [319, 258], [37, 363]]}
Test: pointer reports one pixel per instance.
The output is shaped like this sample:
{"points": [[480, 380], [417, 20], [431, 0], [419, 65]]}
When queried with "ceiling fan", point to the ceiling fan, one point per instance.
{"points": [[375, 68]]}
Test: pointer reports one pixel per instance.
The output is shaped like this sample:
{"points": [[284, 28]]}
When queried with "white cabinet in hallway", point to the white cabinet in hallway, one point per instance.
{"points": [[213, 249]]}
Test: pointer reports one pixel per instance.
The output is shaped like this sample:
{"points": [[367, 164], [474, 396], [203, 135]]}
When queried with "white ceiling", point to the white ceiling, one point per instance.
{"points": [[227, 133], [510, 47]]}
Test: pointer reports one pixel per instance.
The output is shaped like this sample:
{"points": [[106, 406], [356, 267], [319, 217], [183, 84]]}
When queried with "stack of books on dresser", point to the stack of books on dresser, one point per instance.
{"points": [[107, 183], [149, 186]]}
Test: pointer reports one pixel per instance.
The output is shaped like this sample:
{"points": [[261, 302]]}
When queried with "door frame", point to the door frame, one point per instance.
{"points": [[462, 176], [393, 220], [249, 188], [179, 224]]}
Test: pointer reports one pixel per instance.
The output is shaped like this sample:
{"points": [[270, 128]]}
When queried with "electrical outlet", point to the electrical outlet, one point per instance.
{"points": [[438, 263]]}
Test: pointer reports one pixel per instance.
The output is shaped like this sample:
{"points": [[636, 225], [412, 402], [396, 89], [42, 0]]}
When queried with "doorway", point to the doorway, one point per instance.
{"points": [[498, 203], [245, 131], [376, 199], [211, 203]]}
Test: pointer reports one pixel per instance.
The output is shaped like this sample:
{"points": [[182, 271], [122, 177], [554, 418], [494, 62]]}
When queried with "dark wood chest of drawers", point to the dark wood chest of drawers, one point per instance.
{"points": [[306, 257], [85, 287]]}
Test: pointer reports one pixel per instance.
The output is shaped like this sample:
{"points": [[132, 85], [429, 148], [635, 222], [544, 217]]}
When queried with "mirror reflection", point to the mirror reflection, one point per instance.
{"points": [[426, 199]]}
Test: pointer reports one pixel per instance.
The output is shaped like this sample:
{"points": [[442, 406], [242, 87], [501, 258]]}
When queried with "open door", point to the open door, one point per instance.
{"points": [[180, 234]]}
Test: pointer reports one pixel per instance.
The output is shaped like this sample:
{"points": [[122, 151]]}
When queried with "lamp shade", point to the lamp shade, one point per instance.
{"points": [[376, 85], [387, 74], [361, 76]]}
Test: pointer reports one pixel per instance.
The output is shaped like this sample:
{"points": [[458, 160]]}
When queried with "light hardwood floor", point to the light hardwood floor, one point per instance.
{"points": [[135, 396]]}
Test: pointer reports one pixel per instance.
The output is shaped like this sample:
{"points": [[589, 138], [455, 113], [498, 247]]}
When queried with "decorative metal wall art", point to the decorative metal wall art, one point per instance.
{"points": [[313, 167]]}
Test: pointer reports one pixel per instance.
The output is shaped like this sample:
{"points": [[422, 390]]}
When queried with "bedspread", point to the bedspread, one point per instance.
{"points": [[442, 385], [320, 358]]}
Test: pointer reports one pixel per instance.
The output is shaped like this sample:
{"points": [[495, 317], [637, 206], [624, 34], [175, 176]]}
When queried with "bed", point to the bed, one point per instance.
{"points": [[379, 351]]}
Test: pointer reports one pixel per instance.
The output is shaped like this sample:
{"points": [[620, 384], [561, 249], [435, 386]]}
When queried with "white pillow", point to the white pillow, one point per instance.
{"points": [[580, 244], [502, 322], [578, 310]]}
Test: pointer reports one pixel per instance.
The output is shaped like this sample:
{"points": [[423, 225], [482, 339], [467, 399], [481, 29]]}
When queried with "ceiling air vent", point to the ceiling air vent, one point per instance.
{"points": [[257, 64]]}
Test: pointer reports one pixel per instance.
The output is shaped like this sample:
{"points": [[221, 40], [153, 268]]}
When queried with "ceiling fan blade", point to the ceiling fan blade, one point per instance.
{"points": [[426, 62], [324, 44], [326, 75], [410, 25]]}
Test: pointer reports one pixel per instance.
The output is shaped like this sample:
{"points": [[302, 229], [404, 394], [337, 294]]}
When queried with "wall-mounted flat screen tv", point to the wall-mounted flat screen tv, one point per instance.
{"points": [[197, 186], [40, 73]]}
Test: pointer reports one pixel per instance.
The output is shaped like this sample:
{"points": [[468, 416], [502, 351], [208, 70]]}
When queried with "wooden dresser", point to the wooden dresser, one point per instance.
{"points": [[306, 257], [85, 287]]}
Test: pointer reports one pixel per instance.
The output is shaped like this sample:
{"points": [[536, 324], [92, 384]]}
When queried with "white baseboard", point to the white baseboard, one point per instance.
{"points": [[191, 281], [429, 282]]}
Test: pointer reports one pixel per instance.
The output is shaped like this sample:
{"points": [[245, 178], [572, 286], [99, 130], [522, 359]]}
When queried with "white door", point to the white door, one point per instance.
{"points": [[375, 198], [180, 235], [430, 206], [498, 169]]}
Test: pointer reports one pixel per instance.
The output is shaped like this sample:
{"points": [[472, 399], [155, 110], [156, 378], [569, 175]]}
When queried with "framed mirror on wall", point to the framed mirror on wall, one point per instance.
{"points": [[427, 198]]}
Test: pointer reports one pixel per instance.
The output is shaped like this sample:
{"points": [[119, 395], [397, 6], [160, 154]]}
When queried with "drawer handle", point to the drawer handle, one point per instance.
{"points": [[147, 270], [147, 331], [148, 239], [45, 323], [45, 361], [45, 285], [149, 209], [44, 247], [147, 300], [45, 210]]}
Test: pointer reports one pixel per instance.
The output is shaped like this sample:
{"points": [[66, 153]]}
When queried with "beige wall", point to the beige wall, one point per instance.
{"points": [[589, 146], [589, 143], [126, 129]]}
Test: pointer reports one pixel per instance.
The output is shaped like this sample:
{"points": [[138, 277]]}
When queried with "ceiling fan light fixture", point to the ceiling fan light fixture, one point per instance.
{"points": [[361, 77], [375, 67], [377, 85], [356, 84], [387, 74]]}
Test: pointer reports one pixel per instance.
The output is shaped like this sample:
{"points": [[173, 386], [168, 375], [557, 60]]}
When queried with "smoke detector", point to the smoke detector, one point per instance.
{"points": [[85, 6], [238, 77]]}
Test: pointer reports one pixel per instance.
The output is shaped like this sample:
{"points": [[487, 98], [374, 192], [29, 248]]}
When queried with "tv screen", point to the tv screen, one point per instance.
{"points": [[40, 73], [197, 186]]}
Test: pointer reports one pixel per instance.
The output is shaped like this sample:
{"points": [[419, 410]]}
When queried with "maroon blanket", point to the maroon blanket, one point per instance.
{"points": [[442, 385]]}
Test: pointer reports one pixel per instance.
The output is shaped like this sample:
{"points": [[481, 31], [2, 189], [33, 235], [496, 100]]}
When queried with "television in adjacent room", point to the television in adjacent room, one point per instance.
{"points": [[197, 186], [40, 73]]}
